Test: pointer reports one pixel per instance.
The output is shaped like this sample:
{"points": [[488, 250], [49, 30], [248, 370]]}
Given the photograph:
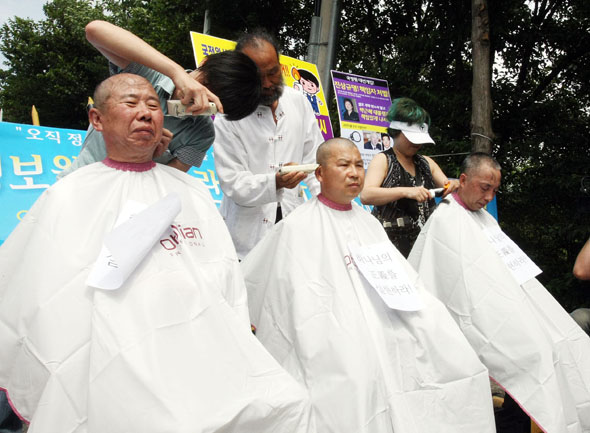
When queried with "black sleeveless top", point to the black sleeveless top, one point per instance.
{"points": [[415, 213]]}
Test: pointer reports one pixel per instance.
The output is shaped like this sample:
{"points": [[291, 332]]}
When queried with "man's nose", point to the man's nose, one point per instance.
{"points": [[489, 196], [354, 171], [143, 111], [266, 82]]}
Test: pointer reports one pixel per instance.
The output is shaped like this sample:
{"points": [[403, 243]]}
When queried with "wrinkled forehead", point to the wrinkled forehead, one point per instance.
{"points": [[488, 174], [344, 151], [133, 85]]}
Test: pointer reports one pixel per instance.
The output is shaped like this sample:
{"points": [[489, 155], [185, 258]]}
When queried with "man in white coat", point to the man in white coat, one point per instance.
{"points": [[369, 368], [249, 152], [141, 324], [529, 343]]}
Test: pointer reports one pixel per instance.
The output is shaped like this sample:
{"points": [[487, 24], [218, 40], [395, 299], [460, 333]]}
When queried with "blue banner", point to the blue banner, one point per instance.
{"points": [[32, 156]]}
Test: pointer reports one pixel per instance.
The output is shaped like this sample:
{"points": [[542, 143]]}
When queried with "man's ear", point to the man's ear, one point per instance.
{"points": [[462, 179], [318, 173], [95, 119]]}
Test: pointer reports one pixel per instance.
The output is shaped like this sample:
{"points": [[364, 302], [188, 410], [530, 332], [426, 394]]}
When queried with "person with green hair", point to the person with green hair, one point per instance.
{"points": [[399, 179]]}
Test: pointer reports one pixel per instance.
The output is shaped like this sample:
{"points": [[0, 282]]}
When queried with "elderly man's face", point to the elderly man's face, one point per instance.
{"points": [[265, 57], [343, 175], [479, 188], [374, 139], [131, 121]]}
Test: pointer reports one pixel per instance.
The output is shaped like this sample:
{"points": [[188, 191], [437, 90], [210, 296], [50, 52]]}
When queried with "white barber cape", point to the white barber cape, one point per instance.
{"points": [[169, 351], [530, 345], [369, 369]]}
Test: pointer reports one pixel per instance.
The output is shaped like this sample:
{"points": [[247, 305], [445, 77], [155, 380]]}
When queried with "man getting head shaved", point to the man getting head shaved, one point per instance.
{"points": [[368, 368], [529, 343], [122, 306]]}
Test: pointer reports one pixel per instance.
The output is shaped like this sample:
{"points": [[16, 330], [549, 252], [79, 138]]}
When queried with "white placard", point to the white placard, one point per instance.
{"points": [[137, 229], [522, 267], [379, 265]]}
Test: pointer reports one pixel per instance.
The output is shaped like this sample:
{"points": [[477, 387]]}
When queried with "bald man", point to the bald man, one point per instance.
{"points": [[529, 343], [368, 368], [122, 306]]}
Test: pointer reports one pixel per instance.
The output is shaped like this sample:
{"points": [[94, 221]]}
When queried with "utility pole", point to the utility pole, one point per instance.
{"points": [[207, 21], [323, 39], [482, 135]]}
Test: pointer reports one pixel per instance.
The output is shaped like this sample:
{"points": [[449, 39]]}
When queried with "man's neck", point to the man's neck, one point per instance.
{"points": [[273, 109], [459, 200]]}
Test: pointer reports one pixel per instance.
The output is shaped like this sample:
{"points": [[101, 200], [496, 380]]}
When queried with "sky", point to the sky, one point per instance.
{"points": [[32, 9]]}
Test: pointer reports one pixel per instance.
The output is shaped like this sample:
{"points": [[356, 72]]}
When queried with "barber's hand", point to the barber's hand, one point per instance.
{"points": [[453, 186], [418, 193], [164, 142], [194, 95], [289, 180]]}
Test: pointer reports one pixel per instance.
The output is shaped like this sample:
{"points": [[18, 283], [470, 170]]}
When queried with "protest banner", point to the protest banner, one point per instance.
{"points": [[32, 156], [302, 76], [363, 103]]}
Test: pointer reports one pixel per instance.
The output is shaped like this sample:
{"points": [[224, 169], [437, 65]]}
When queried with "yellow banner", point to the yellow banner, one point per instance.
{"points": [[302, 76]]}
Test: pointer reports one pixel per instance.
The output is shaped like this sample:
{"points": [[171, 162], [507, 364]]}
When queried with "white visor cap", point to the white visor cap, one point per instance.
{"points": [[417, 134]]}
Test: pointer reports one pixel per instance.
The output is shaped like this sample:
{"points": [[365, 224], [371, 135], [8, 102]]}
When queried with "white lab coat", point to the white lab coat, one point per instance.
{"points": [[249, 152]]}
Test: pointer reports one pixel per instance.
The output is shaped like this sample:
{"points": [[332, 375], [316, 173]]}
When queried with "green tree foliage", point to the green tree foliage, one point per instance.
{"points": [[50, 65], [540, 88]]}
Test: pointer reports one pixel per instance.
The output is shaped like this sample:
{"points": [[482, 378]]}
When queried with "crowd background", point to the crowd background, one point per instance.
{"points": [[540, 88]]}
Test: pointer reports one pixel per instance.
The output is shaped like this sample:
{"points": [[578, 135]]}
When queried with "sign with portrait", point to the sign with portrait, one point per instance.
{"points": [[363, 103]]}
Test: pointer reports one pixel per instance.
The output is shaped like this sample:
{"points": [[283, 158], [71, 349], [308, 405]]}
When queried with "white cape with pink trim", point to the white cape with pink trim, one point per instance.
{"points": [[368, 368], [529, 343], [171, 350]]}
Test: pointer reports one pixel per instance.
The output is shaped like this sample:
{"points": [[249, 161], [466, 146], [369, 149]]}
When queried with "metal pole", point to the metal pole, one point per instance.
{"points": [[332, 42], [207, 23], [313, 48]]}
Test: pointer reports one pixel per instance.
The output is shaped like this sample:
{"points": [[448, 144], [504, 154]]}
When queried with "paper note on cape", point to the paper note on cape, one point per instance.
{"points": [[136, 231], [385, 274]]}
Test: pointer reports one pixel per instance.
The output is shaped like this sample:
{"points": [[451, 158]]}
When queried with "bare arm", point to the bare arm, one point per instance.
{"points": [[122, 47], [376, 195], [440, 179], [582, 265]]}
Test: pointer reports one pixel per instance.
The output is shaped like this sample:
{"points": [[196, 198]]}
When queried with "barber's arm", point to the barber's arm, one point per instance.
{"points": [[289, 180], [122, 47], [440, 179], [582, 265], [374, 194]]}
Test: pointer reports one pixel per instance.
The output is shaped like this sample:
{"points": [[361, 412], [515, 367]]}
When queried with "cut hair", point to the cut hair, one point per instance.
{"points": [[235, 79], [476, 159]]}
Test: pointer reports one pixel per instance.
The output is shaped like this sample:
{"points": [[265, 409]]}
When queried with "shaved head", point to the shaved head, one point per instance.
{"points": [[341, 173], [127, 112], [325, 150], [105, 89], [477, 160]]}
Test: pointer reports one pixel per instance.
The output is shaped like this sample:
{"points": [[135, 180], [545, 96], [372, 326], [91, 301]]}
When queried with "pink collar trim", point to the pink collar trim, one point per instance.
{"points": [[333, 205], [458, 200], [129, 166]]}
